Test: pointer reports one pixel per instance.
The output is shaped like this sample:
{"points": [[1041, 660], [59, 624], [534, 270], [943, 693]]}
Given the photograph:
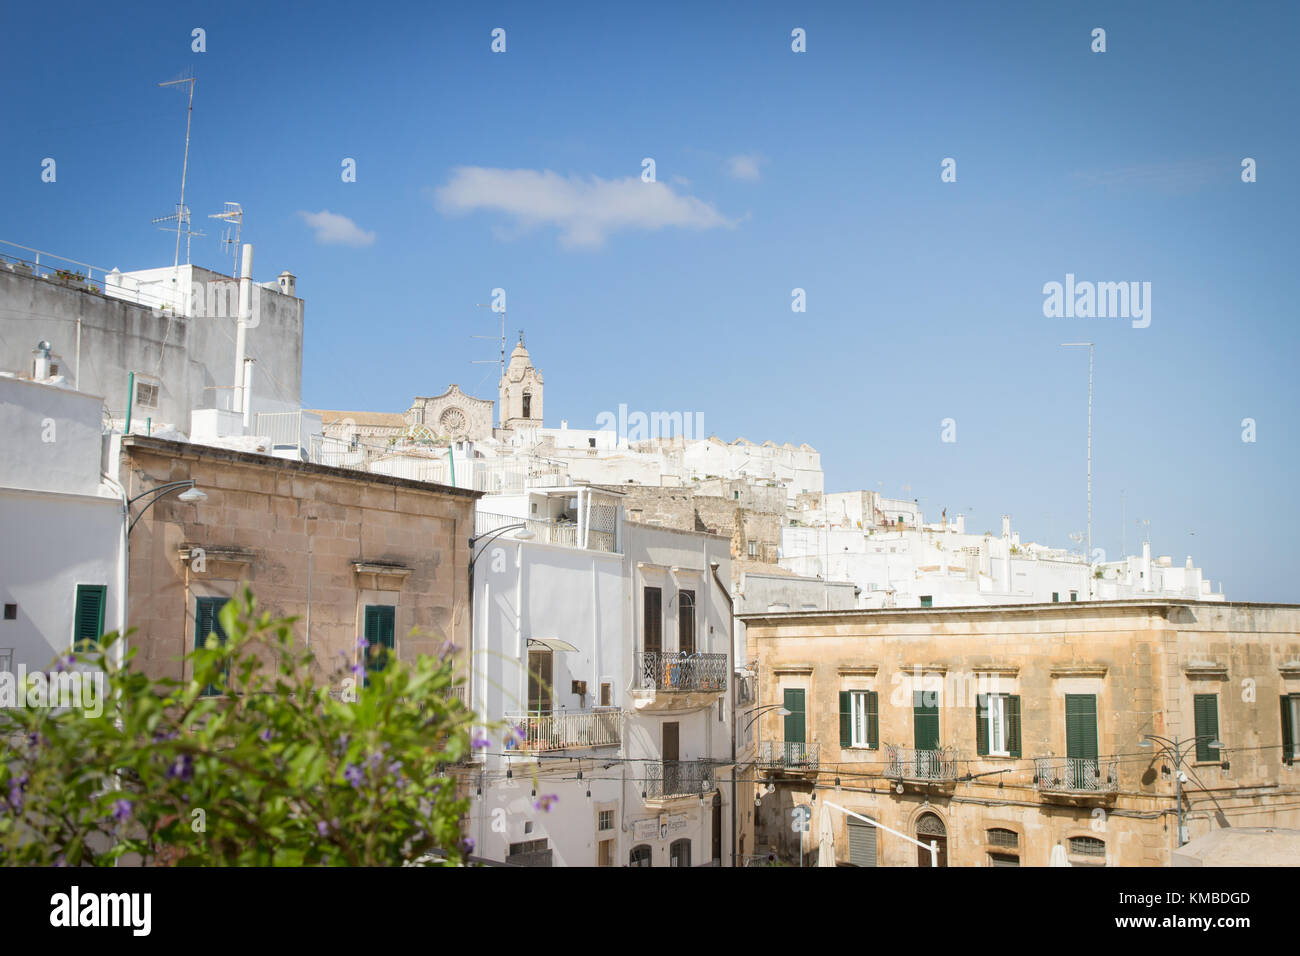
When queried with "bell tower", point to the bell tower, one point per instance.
{"points": [[521, 391]]}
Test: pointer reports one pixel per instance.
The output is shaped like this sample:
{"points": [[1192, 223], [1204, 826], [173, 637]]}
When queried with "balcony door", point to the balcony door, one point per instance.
{"points": [[539, 681], [796, 724], [929, 828], [672, 768], [1081, 769]]}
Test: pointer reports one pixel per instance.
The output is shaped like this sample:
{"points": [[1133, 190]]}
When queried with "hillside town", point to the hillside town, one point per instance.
{"points": [[706, 656]]}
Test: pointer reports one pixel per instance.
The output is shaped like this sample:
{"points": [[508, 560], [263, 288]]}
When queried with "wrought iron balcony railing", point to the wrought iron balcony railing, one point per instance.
{"points": [[682, 672], [906, 763], [785, 755], [1076, 774], [678, 778], [564, 730]]}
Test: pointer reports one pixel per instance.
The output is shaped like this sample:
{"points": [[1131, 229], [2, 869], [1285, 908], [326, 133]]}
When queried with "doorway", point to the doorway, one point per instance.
{"points": [[929, 828]]}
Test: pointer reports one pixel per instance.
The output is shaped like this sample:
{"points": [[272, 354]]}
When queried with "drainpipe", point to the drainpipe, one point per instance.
{"points": [[241, 323], [130, 394], [731, 640]]}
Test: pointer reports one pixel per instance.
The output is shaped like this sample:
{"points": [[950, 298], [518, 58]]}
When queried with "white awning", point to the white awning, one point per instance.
{"points": [[551, 643]]}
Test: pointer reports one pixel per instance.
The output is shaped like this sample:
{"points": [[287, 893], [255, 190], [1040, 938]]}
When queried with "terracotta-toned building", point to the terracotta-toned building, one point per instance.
{"points": [[347, 552], [1006, 735]]}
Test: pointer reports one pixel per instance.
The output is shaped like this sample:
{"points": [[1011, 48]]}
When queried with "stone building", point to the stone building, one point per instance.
{"points": [[1004, 733], [521, 392], [345, 551]]}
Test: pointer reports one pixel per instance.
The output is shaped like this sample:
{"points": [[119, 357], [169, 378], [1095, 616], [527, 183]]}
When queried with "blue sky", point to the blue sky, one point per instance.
{"points": [[924, 298]]}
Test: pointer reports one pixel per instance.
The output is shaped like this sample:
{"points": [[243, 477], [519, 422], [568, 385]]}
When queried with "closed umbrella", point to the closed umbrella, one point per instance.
{"points": [[826, 839], [1058, 857]]}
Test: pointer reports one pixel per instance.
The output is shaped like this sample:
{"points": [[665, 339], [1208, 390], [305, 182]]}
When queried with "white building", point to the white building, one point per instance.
{"points": [[907, 563], [608, 644], [62, 566]]}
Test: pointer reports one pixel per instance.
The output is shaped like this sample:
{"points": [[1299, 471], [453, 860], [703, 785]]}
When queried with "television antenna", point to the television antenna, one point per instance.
{"points": [[502, 360], [182, 215], [234, 219]]}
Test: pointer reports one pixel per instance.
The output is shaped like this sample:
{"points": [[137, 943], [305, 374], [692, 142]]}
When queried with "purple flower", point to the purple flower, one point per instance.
{"points": [[544, 802], [353, 775], [322, 828], [395, 768], [480, 740], [467, 845], [362, 643], [182, 769], [34, 740], [266, 735], [448, 647], [122, 810]]}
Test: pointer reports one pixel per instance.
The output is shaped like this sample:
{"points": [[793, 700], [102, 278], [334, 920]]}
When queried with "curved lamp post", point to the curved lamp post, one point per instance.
{"points": [[1177, 751], [474, 541], [191, 494]]}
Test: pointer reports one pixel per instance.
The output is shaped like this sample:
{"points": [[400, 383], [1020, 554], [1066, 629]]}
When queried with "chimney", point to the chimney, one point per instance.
{"points": [[41, 361], [288, 282], [241, 326]]}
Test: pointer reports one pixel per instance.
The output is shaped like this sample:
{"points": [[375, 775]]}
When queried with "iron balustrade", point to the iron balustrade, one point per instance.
{"points": [[564, 730], [906, 763], [678, 778], [1076, 774], [662, 670], [789, 755]]}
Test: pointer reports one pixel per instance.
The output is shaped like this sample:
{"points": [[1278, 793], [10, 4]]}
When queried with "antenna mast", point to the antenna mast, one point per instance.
{"points": [[182, 215], [234, 214], [480, 305]]}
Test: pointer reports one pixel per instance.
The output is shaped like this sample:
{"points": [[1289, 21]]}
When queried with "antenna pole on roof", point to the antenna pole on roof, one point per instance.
{"points": [[182, 216]]}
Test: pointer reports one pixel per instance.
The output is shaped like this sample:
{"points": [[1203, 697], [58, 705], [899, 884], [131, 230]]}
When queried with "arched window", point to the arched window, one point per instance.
{"points": [[528, 405], [679, 854], [930, 829], [640, 856]]}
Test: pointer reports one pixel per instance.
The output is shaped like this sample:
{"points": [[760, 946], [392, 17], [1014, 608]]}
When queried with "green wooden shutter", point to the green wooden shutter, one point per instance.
{"points": [[873, 721], [925, 731], [1081, 726], [208, 622], [982, 724], [380, 633], [1288, 736], [846, 719], [1205, 707], [88, 624], [794, 724], [1013, 725]]}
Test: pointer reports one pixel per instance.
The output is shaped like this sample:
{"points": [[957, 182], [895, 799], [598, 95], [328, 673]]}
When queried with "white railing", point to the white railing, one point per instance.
{"points": [[563, 730], [547, 532], [79, 274], [283, 428]]}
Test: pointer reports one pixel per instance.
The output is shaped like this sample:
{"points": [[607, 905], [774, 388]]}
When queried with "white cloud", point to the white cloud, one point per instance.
{"points": [[744, 166], [585, 210], [333, 229]]}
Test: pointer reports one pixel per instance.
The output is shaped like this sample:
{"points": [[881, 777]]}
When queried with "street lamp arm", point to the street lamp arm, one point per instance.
{"points": [[496, 533], [158, 493]]}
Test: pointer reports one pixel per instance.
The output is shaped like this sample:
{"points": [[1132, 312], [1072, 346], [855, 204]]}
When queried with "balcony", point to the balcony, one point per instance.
{"points": [[563, 730], [1076, 776], [789, 757], [676, 779], [921, 766], [676, 681]]}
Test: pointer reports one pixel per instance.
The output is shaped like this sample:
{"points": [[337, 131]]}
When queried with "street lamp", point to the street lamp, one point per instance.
{"points": [[523, 535], [191, 494], [758, 712], [1175, 750]]}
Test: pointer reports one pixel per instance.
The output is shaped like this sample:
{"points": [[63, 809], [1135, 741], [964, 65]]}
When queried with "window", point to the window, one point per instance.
{"points": [[1206, 709], [925, 715], [88, 622], [146, 394], [207, 625], [528, 405], [1003, 859], [753, 549], [1087, 846], [1081, 726], [380, 635], [605, 820], [686, 622], [1074, 595], [1290, 728], [640, 856], [539, 681], [653, 628], [997, 725], [1000, 836], [859, 719], [927, 600], [795, 727], [591, 443], [11, 612], [606, 694], [679, 854], [1056, 597]]}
